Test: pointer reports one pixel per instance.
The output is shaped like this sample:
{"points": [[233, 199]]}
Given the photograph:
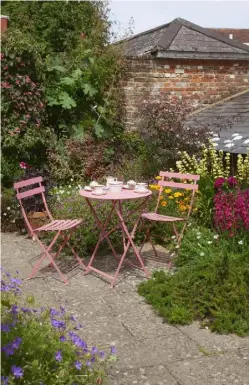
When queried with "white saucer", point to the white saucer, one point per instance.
{"points": [[87, 188], [141, 192], [103, 193]]}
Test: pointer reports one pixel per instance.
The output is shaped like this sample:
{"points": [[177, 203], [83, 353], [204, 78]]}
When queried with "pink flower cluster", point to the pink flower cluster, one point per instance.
{"points": [[222, 182], [231, 211]]}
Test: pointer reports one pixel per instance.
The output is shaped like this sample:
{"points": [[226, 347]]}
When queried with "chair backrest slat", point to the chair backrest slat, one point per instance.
{"points": [[31, 192], [189, 186], [27, 182], [168, 174]]}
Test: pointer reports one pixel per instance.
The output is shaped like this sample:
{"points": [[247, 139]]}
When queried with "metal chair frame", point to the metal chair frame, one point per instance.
{"points": [[166, 181], [57, 226]]}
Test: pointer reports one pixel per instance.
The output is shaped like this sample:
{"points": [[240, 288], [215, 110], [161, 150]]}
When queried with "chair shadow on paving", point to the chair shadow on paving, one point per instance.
{"points": [[107, 263]]}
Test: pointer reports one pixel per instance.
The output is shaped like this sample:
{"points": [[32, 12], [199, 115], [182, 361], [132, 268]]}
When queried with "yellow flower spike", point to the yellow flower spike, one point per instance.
{"points": [[171, 197], [164, 203], [168, 190], [186, 199], [161, 198], [158, 177]]}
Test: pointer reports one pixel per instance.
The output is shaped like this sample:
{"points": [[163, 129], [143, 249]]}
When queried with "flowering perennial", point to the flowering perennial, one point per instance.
{"points": [[36, 348], [231, 206]]}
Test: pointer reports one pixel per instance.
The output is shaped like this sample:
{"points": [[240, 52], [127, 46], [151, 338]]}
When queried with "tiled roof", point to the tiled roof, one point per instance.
{"points": [[228, 123], [180, 38], [241, 35]]}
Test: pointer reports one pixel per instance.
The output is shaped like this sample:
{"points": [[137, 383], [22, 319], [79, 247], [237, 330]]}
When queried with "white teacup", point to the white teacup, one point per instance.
{"points": [[141, 186], [109, 180], [115, 186], [99, 189]]}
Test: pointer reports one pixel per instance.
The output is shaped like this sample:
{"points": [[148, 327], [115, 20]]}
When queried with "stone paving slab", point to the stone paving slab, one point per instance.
{"points": [[224, 369], [159, 351], [150, 352], [212, 343], [156, 375]]}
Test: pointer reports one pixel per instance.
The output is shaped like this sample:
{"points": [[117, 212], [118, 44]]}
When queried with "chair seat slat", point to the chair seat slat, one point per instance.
{"points": [[161, 218]]}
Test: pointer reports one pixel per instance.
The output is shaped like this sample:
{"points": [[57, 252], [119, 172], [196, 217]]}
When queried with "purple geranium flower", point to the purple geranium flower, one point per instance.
{"points": [[113, 350], [94, 350], [5, 287], [58, 324], [26, 310], [102, 354], [76, 340], [78, 365], [16, 281], [8, 349], [17, 371], [14, 309], [62, 338], [4, 380], [54, 312], [58, 356], [16, 343], [88, 363], [5, 328]]}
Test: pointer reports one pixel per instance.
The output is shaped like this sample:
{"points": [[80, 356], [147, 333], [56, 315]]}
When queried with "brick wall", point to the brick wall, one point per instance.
{"points": [[4, 23], [200, 82]]}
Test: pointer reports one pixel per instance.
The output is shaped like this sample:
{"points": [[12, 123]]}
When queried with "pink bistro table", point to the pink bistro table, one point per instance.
{"points": [[116, 200]]}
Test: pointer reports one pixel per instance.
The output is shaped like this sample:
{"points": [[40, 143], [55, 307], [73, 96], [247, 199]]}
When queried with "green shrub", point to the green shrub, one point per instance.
{"points": [[165, 132], [41, 346], [211, 284], [11, 218]]}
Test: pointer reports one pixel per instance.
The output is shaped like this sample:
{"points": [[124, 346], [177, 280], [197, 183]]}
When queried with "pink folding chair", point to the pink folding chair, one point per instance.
{"points": [[166, 181], [57, 226]]}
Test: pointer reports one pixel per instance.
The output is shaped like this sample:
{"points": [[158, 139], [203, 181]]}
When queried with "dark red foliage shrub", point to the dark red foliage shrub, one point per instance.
{"points": [[22, 96]]}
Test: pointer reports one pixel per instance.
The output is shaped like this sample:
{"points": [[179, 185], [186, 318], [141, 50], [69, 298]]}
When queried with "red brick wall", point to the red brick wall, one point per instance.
{"points": [[199, 81]]}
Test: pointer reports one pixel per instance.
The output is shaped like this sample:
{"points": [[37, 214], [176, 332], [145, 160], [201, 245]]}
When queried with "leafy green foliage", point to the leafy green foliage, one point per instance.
{"points": [[59, 81], [59, 25], [211, 284]]}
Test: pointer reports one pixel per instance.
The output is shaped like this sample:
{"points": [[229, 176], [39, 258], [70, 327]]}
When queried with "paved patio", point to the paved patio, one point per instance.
{"points": [[150, 352]]}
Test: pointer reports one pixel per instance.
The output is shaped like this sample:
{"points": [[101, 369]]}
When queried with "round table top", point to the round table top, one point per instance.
{"points": [[123, 195]]}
